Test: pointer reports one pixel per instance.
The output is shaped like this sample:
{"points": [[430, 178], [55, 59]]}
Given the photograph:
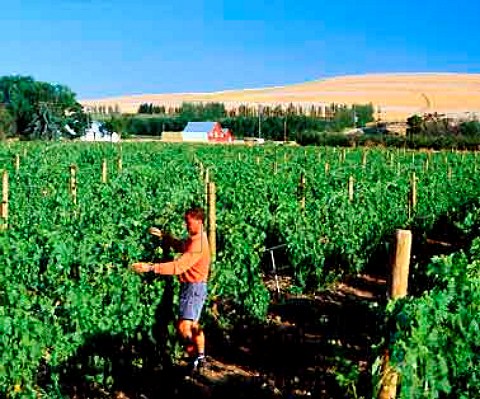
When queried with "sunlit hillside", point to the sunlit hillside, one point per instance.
{"points": [[395, 96]]}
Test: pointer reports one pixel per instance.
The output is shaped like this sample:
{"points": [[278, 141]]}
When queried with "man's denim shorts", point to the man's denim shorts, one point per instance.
{"points": [[192, 298]]}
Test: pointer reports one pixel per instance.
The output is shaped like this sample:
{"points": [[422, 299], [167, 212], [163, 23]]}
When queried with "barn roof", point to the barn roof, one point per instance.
{"points": [[199, 127]]}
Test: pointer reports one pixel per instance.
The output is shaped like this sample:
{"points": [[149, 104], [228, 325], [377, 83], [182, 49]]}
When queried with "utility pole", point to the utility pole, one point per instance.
{"points": [[259, 121]]}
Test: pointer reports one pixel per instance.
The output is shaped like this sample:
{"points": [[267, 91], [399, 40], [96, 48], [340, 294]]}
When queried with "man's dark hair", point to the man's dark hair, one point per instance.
{"points": [[196, 212]]}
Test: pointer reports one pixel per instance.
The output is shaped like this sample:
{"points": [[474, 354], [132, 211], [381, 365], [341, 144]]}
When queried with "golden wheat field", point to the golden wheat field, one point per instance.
{"points": [[395, 96]]}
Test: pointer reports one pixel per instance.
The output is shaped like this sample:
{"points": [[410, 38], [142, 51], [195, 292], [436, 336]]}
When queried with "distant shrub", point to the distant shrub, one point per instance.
{"points": [[418, 141]]}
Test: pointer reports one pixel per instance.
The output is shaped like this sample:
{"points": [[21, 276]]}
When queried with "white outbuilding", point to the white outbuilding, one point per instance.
{"points": [[97, 132]]}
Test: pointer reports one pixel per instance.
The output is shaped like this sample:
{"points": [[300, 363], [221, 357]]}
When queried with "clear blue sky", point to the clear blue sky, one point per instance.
{"points": [[104, 47]]}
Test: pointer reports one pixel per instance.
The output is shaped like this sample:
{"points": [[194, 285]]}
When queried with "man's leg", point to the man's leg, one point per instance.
{"points": [[193, 337], [186, 333], [194, 341], [198, 338], [192, 299], [186, 316]]}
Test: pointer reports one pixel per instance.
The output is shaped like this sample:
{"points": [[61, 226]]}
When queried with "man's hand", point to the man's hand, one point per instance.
{"points": [[142, 267], [156, 232]]}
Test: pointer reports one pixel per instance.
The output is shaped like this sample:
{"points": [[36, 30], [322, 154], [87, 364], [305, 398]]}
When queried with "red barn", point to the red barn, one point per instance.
{"points": [[227, 135], [206, 132]]}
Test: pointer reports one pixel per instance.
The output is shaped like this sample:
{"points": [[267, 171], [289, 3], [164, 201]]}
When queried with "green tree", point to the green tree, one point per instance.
{"points": [[343, 118], [76, 119], [415, 125], [38, 109], [6, 123], [188, 111], [117, 124], [364, 114], [470, 128], [44, 125], [143, 108]]}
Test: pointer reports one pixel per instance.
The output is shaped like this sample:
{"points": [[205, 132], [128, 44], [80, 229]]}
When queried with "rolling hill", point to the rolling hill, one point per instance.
{"points": [[395, 96]]}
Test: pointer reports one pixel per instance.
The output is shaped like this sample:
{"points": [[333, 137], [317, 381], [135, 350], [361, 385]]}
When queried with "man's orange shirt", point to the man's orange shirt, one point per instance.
{"points": [[194, 264]]}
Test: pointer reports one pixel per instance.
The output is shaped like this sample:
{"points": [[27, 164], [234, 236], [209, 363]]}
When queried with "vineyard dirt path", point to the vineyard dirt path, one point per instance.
{"points": [[305, 344]]}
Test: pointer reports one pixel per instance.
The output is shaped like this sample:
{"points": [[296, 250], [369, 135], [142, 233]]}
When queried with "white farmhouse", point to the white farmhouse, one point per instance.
{"points": [[96, 132]]}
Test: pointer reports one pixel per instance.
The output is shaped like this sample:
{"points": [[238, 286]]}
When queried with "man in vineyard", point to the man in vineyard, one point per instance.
{"points": [[192, 268]]}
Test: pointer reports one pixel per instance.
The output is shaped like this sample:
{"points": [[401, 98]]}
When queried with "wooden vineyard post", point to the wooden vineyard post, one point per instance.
{"points": [[401, 264], [201, 170], [206, 182], [397, 289], [425, 165], [212, 219], [449, 173], [327, 168], [350, 188], [17, 163], [191, 155], [274, 166], [285, 157], [258, 160], [104, 171], [364, 158], [4, 208], [412, 201], [301, 191], [120, 159], [73, 183]]}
